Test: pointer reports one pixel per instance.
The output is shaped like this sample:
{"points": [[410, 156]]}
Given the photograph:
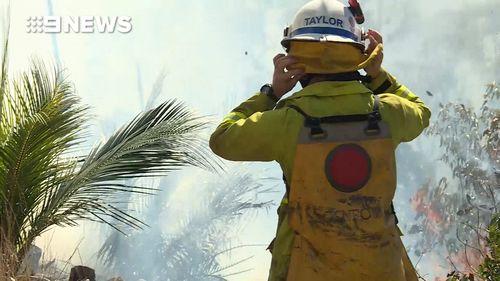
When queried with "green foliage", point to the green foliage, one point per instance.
{"points": [[202, 235], [490, 268], [465, 204], [453, 210], [43, 180]]}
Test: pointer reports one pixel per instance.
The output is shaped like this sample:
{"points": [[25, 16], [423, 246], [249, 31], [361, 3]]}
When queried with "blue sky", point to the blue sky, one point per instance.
{"points": [[217, 53]]}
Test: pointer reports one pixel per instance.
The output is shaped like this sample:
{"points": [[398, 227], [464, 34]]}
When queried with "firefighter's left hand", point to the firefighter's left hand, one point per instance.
{"points": [[374, 38], [285, 79]]}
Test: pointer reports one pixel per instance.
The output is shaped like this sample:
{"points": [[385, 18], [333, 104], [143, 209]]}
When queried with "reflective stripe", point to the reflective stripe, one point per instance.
{"points": [[235, 116], [324, 31], [405, 93]]}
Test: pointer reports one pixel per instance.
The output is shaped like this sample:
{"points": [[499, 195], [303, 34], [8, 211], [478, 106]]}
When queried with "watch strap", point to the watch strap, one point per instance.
{"points": [[267, 89]]}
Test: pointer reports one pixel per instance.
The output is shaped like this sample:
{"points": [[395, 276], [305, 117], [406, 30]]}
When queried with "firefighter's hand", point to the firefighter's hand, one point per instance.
{"points": [[285, 79], [374, 38]]}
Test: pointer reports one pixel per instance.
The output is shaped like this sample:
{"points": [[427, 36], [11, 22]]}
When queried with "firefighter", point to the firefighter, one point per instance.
{"points": [[335, 141]]}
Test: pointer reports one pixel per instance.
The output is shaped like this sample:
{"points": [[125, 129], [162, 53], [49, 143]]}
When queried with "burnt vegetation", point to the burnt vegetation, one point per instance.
{"points": [[459, 214]]}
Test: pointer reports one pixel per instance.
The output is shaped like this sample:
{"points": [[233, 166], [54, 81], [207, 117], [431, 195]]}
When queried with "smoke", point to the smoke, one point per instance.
{"points": [[451, 49], [218, 53]]}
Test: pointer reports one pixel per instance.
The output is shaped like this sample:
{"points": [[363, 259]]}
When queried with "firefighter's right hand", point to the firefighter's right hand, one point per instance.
{"points": [[285, 79], [374, 38]]}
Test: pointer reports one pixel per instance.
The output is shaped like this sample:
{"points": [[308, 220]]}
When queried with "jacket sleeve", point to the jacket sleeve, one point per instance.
{"points": [[250, 132], [408, 113]]}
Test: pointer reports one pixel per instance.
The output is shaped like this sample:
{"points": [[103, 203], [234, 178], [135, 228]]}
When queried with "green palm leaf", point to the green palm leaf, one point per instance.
{"points": [[158, 141], [43, 183], [43, 121]]}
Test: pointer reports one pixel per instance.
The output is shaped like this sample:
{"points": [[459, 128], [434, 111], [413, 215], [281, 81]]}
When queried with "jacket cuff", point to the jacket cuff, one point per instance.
{"points": [[262, 102], [381, 83]]}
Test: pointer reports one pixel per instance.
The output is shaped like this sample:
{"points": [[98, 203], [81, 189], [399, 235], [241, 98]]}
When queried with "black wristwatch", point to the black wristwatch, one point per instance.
{"points": [[267, 90]]}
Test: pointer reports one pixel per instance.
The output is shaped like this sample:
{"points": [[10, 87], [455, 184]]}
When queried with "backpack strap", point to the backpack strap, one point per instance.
{"points": [[314, 123]]}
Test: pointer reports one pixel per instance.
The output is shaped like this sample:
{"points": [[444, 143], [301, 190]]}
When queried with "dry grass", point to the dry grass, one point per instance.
{"points": [[9, 266], [8, 259]]}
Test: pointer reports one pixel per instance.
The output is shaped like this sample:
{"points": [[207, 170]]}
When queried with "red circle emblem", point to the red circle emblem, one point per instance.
{"points": [[348, 167]]}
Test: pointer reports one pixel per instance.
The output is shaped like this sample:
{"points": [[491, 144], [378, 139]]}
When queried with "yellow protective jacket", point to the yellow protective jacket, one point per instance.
{"points": [[261, 130]]}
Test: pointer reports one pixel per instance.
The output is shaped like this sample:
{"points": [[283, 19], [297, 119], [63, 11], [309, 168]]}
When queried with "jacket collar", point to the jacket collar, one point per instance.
{"points": [[331, 88]]}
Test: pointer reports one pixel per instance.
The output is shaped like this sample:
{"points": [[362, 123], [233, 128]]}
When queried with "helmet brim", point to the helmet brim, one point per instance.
{"points": [[321, 38]]}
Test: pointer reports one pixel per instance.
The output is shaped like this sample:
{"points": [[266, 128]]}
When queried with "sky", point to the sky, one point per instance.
{"points": [[217, 53]]}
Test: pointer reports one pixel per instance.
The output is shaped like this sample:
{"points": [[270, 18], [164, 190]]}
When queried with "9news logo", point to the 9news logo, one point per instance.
{"points": [[78, 24]]}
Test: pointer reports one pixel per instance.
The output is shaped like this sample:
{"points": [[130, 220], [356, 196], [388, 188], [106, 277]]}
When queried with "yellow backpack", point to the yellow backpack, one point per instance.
{"points": [[340, 201]]}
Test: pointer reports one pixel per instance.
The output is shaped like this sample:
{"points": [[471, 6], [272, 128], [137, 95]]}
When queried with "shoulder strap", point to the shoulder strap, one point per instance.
{"points": [[314, 123]]}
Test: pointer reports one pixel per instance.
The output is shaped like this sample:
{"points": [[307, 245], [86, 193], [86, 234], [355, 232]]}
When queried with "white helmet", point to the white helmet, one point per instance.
{"points": [[326, 20]]}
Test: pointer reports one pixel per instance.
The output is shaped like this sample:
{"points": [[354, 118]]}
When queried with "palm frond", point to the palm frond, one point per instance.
{"points": [[156, 91], [160, 140], [3, 82], [42, 182], [43, 121], [193, 252], [164, 135]]}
